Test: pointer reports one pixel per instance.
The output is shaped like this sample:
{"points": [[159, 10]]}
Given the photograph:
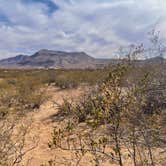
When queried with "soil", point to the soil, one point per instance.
{"points": [[42, 126]]}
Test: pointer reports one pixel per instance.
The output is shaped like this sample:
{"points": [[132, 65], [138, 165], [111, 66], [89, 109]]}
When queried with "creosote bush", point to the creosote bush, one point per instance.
{"points": [[123, 120], [22, 91]]}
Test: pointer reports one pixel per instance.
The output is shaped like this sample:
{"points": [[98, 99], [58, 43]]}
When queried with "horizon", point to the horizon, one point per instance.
{"points": [[106, 58], [91, 26]]}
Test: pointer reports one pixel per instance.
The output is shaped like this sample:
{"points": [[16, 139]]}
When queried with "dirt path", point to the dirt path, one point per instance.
{"points": [[42, 127]]}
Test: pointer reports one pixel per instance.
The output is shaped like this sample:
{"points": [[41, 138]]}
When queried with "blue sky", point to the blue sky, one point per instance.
{"points": [[97, 27]]}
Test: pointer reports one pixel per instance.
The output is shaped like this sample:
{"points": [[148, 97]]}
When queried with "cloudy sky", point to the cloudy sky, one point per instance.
{"points": [[97, 27]]}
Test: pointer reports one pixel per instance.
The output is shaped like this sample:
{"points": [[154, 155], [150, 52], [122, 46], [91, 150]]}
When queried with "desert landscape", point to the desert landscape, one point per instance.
{"points": [[82, 83], [109, 116]]}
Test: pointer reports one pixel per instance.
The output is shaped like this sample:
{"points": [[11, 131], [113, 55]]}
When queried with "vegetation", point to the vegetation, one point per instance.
{"points": [[120, 115], [123, 114], [121, 120], [22, 91]]}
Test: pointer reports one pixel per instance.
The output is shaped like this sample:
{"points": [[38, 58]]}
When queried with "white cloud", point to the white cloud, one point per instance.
{"points": [[94, 26]]}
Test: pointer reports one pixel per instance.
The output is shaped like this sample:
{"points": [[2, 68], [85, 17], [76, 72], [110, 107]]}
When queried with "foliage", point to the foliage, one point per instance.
{"points": [[129, 115]]}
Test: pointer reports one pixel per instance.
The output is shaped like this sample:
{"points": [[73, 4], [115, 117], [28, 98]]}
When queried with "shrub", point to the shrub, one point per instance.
{"points": [[120, 110]]}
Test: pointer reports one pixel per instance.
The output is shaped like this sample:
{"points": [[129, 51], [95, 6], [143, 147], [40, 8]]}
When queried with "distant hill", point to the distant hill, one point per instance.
{"points": [[67, 60], [53, 59]]}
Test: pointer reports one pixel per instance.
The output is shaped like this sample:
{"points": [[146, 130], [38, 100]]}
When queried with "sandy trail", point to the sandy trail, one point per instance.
{"points": [[42, 127]]}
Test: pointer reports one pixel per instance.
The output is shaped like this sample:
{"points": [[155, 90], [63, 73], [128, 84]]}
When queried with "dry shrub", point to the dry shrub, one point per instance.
{"points": [[12, 139], [120, 109]]}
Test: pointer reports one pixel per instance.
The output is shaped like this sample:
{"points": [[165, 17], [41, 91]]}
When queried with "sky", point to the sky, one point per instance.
{"points": [[97, 27]]}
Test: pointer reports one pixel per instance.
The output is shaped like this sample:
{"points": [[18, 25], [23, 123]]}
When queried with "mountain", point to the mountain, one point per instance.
{"points": [[67, 60], [53, 59]]}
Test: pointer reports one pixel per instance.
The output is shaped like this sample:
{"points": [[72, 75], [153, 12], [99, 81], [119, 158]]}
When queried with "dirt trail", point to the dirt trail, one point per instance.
{"points": [[42, 127]]}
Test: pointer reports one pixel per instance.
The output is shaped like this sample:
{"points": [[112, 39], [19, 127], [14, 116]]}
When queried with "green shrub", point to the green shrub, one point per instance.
{"points": [[118, 107]]}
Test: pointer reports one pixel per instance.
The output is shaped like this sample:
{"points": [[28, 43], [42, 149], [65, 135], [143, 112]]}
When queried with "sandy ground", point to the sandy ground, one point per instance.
{"points": [[42, 126], [41, 129]]}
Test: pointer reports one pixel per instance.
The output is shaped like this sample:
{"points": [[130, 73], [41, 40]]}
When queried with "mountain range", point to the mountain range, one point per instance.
{"points": [[53, 59], [60, 59]]}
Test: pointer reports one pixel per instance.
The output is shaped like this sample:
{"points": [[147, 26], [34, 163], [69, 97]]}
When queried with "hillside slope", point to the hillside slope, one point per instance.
{"points": [[67, 60], [53, 59]]}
